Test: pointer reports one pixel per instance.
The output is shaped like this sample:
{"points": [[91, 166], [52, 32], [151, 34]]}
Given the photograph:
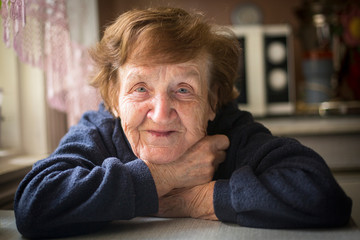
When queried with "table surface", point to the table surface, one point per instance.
{"points": [[187, 228]]}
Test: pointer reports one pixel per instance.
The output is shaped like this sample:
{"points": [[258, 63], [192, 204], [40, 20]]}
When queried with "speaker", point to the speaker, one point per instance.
{"points": [[266, 81]]}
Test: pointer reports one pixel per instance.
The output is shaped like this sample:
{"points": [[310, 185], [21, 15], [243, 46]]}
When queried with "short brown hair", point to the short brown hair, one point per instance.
{"points": [[168, 35]]}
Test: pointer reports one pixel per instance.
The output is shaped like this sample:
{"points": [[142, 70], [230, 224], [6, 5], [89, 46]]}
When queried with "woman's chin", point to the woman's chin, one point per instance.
{"points": [[160, 155]]}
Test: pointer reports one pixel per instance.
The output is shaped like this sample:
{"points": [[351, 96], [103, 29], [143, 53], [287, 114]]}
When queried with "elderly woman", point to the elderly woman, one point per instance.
{"points": [[170, 141]]}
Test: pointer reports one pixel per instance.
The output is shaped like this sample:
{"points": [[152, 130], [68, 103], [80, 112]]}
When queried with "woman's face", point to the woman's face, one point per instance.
{"points": [[164, 109]]}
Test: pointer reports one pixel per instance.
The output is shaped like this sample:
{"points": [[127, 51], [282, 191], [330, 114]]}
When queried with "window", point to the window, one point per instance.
{"points": [[27, 124]]}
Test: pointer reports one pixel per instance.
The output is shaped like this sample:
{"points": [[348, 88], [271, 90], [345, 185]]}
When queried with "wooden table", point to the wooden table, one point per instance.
{"points": [[187, 228]]}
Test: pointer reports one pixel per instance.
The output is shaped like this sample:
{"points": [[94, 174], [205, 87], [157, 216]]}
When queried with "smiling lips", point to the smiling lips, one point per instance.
{"points": [[160, 133], [162, 138]]}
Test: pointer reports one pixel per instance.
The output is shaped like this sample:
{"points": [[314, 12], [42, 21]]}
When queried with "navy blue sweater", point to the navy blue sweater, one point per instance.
{"points": [[93, 177]]}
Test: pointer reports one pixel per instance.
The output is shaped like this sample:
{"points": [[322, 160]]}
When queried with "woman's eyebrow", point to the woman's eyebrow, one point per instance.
{"points": [[193, 73], [189, 73], [135, 75]]}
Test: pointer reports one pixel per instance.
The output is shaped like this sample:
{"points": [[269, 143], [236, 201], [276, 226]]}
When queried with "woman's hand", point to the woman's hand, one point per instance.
{"points": [[195, 167], [195, 202]]}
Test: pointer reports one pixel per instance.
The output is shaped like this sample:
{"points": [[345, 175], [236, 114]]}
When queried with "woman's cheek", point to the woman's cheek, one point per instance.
{"points": [[131, 115], [197, 115], [127, 108]]}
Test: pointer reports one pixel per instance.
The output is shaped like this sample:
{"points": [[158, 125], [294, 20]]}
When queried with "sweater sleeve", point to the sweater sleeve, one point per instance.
{"points": [[274, 182], [82, 186]]}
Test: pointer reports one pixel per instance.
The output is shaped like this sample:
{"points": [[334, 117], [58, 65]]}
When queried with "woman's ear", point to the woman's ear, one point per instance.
{"points": [[113, 92], [212, 114], [213, 100], [115, 112]]}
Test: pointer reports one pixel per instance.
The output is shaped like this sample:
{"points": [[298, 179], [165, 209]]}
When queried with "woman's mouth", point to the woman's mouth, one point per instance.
{"points": [[160, 133]]}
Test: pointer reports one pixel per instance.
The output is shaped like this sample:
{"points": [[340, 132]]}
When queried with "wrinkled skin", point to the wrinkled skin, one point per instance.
{"points": [[164, 111], [164, 108]]}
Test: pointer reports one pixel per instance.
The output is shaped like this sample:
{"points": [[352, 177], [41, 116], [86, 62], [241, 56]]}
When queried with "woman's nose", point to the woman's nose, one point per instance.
{"points": [[162, 111]]}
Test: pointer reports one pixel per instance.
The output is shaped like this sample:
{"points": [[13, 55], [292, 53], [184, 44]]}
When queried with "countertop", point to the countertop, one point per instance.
{"points": [[187, 228]]}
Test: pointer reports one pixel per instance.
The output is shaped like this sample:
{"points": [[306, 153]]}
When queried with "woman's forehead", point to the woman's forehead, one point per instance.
{"points": [[184, 70], [194, 66]]}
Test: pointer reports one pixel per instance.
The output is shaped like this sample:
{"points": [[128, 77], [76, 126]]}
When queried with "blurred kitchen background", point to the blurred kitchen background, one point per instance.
{"points": [[300, 74]]}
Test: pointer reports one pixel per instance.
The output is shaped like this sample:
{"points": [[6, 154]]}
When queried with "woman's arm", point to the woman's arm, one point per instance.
{"points": [[277, 183], [195, 202], [83, 185]]}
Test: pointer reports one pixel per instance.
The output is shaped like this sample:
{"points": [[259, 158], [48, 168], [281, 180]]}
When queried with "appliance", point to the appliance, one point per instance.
{"points": [[266, 81]]}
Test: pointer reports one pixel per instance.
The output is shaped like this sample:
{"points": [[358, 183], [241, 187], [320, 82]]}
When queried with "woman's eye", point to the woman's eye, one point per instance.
{"points": [[140, 89], [183, 90]]}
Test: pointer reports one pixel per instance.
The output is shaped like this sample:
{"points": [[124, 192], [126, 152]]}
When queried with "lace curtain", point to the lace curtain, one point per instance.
{"points": [[54, 35]]}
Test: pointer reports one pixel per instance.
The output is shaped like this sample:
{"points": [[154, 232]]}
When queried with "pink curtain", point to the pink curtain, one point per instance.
{"points": [[38, 31]]}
